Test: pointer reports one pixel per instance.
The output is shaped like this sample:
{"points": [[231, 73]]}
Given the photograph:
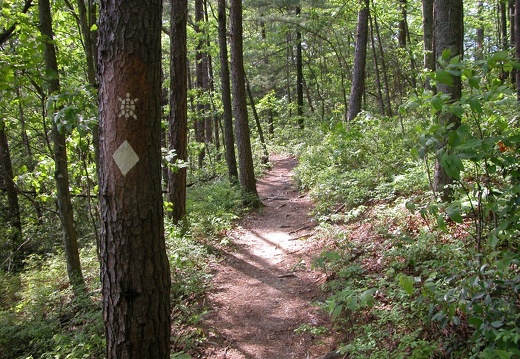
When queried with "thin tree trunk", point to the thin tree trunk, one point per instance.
{"points": [[384, 68], [376, 63], [358, 77], [207, 83], [13, 210], [511, 12], [517, 45], [503, 25], [178, 129], [479, 41], [135, 275], [429, 55], [265, 157], [61, 174], [299, 75], [289, 57], [229, 138], [401, 34], [199, 122], [86, 17], [245, 157]]}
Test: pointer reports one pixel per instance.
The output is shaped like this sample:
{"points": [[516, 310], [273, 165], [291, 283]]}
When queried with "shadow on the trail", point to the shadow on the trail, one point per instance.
{"points": [[258, 304]]}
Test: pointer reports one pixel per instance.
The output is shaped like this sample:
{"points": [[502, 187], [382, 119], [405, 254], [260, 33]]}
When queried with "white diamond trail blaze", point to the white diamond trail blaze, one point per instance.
{"points": [[125, 158]]}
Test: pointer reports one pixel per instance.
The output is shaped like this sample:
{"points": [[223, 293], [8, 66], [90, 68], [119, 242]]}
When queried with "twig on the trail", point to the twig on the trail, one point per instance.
{"points": [[302, 236], [339, 208], [282, 205], [302, 228], [287, 275], [278, 198]]}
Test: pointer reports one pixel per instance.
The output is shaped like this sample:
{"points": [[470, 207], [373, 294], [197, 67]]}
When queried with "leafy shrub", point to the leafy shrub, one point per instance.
{"points": [[366, 159], [42, 320], [212, 207]]}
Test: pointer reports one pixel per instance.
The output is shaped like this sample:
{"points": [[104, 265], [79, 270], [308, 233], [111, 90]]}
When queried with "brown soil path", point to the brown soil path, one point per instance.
{"points": [[264, 288]]}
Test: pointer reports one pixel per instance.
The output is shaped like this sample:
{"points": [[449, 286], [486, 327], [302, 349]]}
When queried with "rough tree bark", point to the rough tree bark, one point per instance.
{"points": [[135, 274], [358, 76], [61, 173], [229, 137], [178, 131], [245, 157]]}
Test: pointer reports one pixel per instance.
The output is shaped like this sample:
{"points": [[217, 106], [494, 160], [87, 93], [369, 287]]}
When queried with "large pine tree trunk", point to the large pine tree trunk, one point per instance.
{"points": [[448, 36], [245, 157], [135, 274], [61, 173], [358, 76], [229, 137], [178, 133]]}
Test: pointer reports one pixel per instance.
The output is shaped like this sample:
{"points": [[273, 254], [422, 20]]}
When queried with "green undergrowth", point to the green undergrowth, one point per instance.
{"points": [[39, 318], [368, 159], [402, 288], [412, 275]]}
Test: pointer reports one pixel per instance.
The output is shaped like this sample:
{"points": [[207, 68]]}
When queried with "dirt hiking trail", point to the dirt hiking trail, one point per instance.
{"points": [[264, 287]]}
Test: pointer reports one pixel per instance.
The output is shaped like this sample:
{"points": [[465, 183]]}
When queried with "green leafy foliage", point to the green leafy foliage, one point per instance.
{"points": [[356, 162]]}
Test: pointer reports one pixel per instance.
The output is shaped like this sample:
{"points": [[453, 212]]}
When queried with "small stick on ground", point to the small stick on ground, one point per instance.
{"points": [[302, 236], [302, 228]]}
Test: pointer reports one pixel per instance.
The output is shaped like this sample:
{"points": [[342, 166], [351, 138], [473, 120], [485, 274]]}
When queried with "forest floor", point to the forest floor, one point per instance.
{"points": [[264, 288]]}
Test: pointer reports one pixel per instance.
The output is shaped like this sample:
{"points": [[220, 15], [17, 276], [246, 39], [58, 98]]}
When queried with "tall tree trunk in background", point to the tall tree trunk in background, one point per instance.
{"points": [[503, 34], [135, 275], [229, 138], [288, 62], [429, 54], [178, 129], [517, 45], [511, 14], [199, 81], [207, 82], [384, 68], [404, 43], [358, 76], [479, 41], [61, 173], [448, 36], [402, 27], [265, 156], [376, 64], [13, 208], [246, 174], [299, 74], [86, 19]]}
